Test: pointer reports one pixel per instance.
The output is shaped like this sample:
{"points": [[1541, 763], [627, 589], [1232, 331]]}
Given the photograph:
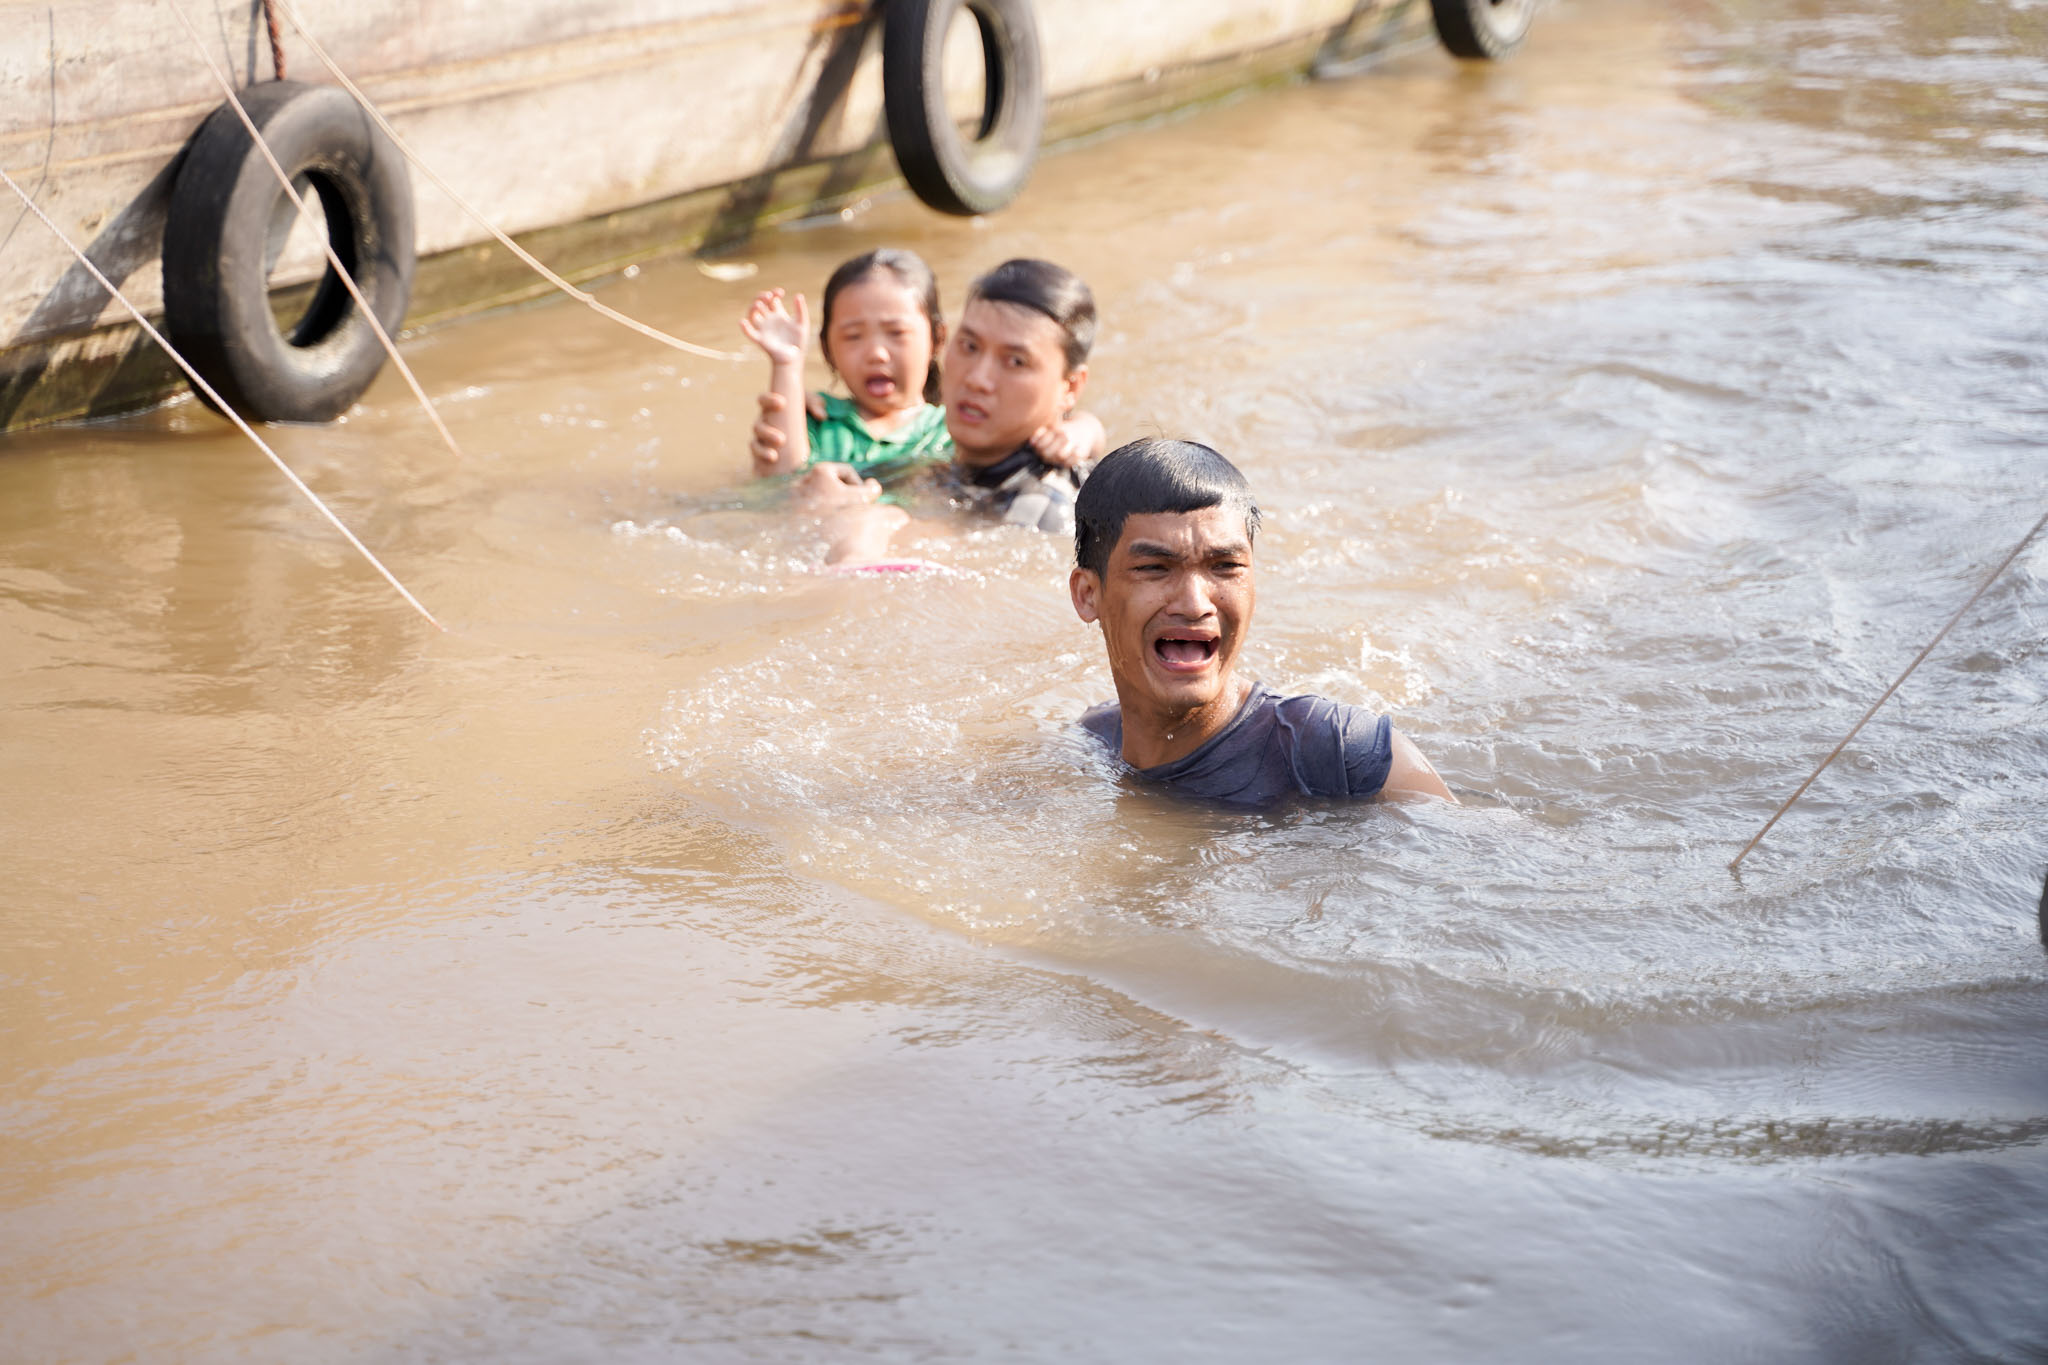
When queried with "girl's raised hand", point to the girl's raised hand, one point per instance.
{"points": [[771, 326]]}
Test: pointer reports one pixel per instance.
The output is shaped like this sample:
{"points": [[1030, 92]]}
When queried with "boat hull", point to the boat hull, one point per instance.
{"points": [[601, 133]]}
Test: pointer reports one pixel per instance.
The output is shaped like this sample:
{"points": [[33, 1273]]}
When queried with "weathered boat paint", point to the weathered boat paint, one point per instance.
{"points": [[601, 133]]}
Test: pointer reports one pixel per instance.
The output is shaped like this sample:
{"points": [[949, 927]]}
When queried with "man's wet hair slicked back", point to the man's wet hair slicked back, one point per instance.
{"points": [[1053, 290], [1152, 476]]}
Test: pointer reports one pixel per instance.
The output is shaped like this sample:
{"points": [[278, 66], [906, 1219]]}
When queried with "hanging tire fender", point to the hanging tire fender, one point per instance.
{"points": [[944, 167], [1486, 30], [228, 220]]}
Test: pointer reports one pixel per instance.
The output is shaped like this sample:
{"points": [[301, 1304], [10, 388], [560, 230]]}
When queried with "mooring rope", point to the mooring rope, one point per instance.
{"points": [[200, 383], [276, 38], [1919, 658], [333, 260], [581, 296]]}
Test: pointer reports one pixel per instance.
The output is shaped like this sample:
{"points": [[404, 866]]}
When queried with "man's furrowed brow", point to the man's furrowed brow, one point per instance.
{"points": [[1152, 549]]}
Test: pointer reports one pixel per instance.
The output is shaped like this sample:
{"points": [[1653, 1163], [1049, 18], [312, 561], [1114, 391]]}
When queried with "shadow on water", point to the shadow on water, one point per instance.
{"points": [[1369, 35], [746, 200], [130, 241]]}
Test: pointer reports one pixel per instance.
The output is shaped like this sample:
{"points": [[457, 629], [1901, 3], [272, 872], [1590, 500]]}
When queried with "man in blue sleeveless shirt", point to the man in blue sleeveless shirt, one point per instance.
{"points": [[1163, 560]]}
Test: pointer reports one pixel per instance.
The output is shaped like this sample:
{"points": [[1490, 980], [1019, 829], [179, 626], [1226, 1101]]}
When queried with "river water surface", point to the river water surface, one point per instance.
{"points": [[693, 957]]}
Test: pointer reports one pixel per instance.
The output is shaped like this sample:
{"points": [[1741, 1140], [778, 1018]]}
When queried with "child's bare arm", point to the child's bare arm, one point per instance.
{"points": [[780, 335], [769, 439], [1077, 439]]}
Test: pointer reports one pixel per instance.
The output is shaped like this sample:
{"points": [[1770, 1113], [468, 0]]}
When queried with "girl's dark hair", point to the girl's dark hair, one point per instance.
{"points": [[1045, 288], [910, 271], [1151, 476]]}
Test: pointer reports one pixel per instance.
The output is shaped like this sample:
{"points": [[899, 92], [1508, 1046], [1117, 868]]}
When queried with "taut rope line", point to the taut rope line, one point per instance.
{"points": [[333, 260], [276, 38], [581, 296], [199, 382], [1940, 635]]}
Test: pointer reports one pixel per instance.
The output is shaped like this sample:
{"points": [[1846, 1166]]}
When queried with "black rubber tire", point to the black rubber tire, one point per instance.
{"points": [[1484, 29], [946, 170], [218, 236]]}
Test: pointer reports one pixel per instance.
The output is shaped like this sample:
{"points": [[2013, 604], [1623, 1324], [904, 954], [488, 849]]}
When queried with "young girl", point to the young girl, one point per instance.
{"points": [[881, 335]]}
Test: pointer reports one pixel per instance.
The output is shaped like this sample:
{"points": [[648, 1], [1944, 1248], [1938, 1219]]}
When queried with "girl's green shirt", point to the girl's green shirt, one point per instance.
{"points": [[843, 437]]}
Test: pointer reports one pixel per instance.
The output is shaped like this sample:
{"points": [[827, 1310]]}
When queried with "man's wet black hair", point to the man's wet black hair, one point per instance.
{"points": [[908, 269], [1045, 288], [1151, 476]]}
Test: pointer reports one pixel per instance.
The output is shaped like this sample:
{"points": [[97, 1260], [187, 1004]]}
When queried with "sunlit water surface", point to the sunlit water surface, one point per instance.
{"points": [[691, 956]]}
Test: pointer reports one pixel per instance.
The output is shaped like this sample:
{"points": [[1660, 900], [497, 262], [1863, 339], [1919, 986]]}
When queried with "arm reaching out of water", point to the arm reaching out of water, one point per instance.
{"points": [[1074, 440], [780, 335], [1411, 778], [768, 440], [856, 528]]}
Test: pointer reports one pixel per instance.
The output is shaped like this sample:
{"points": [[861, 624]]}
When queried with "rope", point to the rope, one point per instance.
{"points": [[333, 261], [276, 38], [651, 333], [1942, 634], [200, 383]]}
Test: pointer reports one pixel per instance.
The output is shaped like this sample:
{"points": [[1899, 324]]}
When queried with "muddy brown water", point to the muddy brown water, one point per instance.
{"points": [[692, 958]]}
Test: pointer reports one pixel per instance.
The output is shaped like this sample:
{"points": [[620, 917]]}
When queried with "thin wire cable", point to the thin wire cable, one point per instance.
{"points": [[333, 260], [1982, 588], [581, 296], [200, 383]]}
